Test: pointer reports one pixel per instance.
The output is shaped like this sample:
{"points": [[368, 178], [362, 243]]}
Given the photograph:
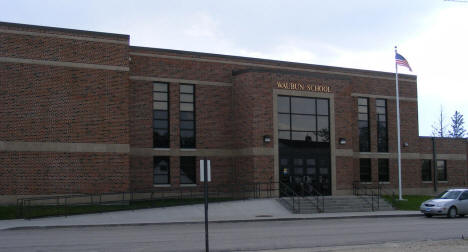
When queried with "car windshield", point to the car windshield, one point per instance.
{"points": [[450, 195]]}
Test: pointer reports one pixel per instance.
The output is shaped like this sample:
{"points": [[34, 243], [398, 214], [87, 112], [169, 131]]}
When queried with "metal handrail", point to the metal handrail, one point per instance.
{"points": [[62, 203], [296, 197], [317, 195], [372, 191]]}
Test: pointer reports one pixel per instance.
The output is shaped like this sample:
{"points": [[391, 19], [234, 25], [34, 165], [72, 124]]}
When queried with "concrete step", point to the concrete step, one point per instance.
{"points": [[335, 204]]}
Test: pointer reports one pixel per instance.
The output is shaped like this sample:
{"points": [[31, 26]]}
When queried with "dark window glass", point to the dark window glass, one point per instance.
{"points": [[363, 124], [441, 170], [160, 115], [283, 104], [302, 105], [188, 170], [305, 123], [284, 161], [464, 196], [365, 170], [383, 170], [160, 87], [382, 138], [283, 122], [186, 97], [322, 106], [161, 124], [187, 116], [284, 135], [160, 136], [187, 138], [161, 171], [426, 170], [186, 89], [322, 123], [187, 125], [158, 96], [304, 136]]}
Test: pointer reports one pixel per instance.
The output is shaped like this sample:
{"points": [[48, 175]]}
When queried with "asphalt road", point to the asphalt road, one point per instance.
{"points": [[234, 236]]}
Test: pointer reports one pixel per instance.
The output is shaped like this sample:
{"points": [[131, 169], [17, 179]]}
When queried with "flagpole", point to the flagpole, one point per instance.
{"points": [[398, 130]]}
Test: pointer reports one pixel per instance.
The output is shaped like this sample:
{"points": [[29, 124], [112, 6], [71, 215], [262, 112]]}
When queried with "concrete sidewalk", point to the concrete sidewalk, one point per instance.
{"points": [[233, 211]]}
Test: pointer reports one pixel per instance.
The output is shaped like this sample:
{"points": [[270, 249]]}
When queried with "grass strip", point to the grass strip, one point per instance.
{"points": [[410, 202]]}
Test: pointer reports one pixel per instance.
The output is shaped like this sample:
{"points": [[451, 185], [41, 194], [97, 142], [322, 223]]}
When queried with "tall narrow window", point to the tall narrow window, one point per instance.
{"points": [[160, 115], [426, 169], [187, 116], [363, 124], [365, 173], [383, 170], [382, 138], [441, 170], [188, 170], [161, 171]]}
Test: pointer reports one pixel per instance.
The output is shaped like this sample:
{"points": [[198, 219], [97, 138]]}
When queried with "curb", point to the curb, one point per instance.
{"points": [[217, 221]]}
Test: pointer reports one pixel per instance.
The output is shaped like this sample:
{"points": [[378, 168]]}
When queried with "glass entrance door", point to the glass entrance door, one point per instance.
{"points": [[306, 175], [304, 146]]}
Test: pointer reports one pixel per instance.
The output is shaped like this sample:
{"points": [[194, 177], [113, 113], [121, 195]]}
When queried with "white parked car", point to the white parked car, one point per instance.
{"points": [[451, 203]]}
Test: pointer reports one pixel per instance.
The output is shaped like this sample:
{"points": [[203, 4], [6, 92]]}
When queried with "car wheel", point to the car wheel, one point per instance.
{"points": [[461, 215], [452, 212], [428, 215]]}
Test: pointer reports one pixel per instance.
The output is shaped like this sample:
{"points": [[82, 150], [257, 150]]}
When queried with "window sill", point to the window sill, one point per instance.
{"points": [[427, 182], [188, 185], [384, 182], [188, 149], [162, 149], [443, 182], [162, 185], [366, 183]]}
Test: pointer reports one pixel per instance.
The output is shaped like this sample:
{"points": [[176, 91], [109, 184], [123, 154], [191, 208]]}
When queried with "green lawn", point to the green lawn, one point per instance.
{"points": [[410, 202], [9, 212]]}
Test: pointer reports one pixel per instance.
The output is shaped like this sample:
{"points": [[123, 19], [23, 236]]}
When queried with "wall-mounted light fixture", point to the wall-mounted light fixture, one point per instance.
{"points": [[405, 144], [266, 139], [342, 141]]}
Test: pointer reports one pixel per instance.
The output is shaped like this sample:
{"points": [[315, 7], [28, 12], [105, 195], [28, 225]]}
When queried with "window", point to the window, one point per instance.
{"points": [[426, 169], [383, 170], [303, 119], [363, 124], [365, 170], [161, 171], [160, 115], [382, 138], [188, 170], [441, 170], [464, 196], [187, 116]]}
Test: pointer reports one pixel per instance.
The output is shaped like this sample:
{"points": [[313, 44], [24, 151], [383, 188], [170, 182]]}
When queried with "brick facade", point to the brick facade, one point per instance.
{"points": [[61, 87]]}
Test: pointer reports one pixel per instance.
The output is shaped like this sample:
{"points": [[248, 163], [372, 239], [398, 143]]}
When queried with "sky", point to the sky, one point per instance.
{"points": [[431, 34]]}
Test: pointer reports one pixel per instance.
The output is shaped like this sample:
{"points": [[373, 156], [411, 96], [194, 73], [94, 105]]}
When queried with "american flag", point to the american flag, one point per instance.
{"points": [[400, 60]]}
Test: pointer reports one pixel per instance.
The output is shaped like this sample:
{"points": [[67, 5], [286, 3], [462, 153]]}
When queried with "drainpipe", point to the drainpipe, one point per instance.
{"points": [[434, 163]]}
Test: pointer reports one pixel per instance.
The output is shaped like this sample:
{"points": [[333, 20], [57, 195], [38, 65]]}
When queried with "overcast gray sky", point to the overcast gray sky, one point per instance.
{"points": [[431, 34]]}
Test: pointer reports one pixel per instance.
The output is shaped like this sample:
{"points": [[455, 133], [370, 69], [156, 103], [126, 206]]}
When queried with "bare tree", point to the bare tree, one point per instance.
{"points": [[439, 128], [457, 128]]}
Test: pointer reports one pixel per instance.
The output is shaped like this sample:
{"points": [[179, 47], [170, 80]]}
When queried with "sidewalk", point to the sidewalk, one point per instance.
{"points": [[233, 211]]}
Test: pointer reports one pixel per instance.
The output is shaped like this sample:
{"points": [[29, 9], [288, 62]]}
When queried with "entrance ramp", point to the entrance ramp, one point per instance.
{"points": [[337, 204]]}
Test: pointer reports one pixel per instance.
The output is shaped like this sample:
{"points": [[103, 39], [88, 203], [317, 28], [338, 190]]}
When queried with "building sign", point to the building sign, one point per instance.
{"points": [[303, 87]]}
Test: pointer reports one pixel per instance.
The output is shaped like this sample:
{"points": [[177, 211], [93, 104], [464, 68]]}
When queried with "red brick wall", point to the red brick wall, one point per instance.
{"points": [[58, 173], [51, 103]]}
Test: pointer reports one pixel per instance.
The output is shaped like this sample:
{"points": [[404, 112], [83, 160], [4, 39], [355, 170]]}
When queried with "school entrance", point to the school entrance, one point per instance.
{"points": [[304, 144]]}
